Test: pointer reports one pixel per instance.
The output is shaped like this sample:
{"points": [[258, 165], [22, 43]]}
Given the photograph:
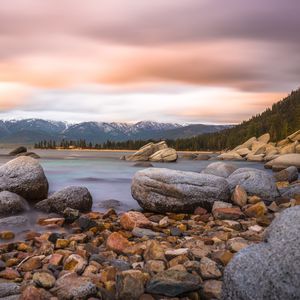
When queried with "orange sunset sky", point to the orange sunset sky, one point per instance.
{"points": [[191, 61]]}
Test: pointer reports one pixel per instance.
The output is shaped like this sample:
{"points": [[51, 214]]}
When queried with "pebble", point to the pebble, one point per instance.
{"points": [[44, 279]]}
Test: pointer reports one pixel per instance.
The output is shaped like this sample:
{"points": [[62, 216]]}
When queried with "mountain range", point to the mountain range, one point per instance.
{"points": [[34, 130]]}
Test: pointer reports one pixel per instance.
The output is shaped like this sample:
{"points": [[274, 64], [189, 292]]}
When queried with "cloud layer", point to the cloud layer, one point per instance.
{"points": [[129, 58]]}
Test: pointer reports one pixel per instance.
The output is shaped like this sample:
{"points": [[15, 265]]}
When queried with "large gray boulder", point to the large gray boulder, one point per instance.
{"points": [[25, 177], [255, 182], [11, 204], [219, 169], [75, 197], [268, 270], [164, 190]]}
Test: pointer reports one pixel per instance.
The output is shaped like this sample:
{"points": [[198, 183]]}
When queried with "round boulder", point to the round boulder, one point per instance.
{"points": [[268, 270], [11, 204], [164, 190], [255, 182], [220, 169], [25, 177], [284, 161], [75, 197]]}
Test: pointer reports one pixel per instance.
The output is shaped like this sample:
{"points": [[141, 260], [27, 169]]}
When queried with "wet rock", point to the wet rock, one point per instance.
{"points": [[239, 196], [143, 164], [117, 242], [75, 263], [51, 221], [71, 215], [7, 235], [44, 279], [172, 283], [255, 182], [132, 219], [164, 190], [209, 269], [227, 213], [71, 286], [9, 289], [284, 161], [18, 150], [212, 289], [289, 174], [11, 203], [202, 157], [75, 197], [25, 177], [268, 270], [130, 285], [85, 223], [220, 169]]}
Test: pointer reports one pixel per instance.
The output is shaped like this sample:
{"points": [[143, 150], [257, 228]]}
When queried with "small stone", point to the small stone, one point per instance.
{"points": [[117, 242], [239, 196], [232, 224], [85, 223], [132, 219], [31, 292], [256, 210], [130, 285], [8, 289], [164, 222], [228, 213], [273, 207], [200, 211], [31, 264], [176, 252], [44, 279], [175, 231], [9, 274], [140, 232], [237, 244], [7, 235], [51, 221], [222, 256], [256, 228], [61, 243], [178, 260], [220, 204], [212, 289], [253, 199], [108, 274], [75, 263], [71, 215], [172, 283], [209, 269], [56, 259], [155, 266], [54, 236], [154, 251]]}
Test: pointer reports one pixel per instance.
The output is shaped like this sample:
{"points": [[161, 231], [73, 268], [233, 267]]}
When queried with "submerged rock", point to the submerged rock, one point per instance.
{"points": [[164, 190], [269, 270], [255, 182], [220, 169], [25, 177], [75, 197], [14, 221], [11, 204]]}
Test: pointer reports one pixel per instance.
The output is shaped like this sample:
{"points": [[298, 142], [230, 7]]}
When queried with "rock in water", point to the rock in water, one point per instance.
{"points": [[164, 190], [172, 283], [18, 150], [164, 155], [11, 204], [255, 182], [25, 177], [284, 161], [220, 169], [75, 197], [269, 270], [14, 221]]}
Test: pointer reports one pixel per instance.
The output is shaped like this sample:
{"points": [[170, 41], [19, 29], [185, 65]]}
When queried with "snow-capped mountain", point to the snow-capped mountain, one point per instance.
{"points": [[33, 130]]}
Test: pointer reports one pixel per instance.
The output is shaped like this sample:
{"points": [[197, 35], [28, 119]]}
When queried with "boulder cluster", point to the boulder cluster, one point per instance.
{"points": [[224, 233], [159, 152], [278, 155]]}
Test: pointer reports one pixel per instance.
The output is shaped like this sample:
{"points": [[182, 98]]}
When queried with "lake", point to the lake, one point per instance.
{"points": [[103, 173]]}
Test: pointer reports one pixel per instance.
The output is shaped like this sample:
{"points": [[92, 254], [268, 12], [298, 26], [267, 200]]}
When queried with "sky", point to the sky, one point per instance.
{"points": [[191, 61]]}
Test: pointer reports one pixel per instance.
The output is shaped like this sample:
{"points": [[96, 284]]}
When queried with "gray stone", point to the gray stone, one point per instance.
{"points": [[75, 197], [164, 190], [172, 283], [25, 177], [255, 182], [11, 204], [268, 270], [290, 192], [289, 174], [202, 157], [220, 169], [9, 289], [140, 232], [18, 150], [14, 221], [72, 286]]}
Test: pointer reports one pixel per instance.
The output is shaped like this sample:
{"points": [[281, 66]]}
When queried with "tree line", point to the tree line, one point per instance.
{"points": [[281, 120]]}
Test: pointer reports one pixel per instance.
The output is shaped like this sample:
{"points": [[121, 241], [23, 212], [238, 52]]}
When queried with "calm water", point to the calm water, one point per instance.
{"points": [[103, 173]]}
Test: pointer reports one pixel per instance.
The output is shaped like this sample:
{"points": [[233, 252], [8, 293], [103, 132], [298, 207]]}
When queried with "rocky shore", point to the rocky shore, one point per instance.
{"points": [[224, 233]]}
